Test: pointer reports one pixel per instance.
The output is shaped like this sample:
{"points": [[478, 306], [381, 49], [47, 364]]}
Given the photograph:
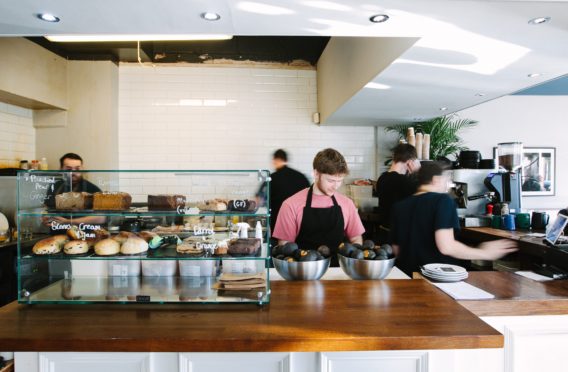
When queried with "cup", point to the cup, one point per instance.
{"points": [[508, 222], [496, 222], [523, 221], [539, 220]]}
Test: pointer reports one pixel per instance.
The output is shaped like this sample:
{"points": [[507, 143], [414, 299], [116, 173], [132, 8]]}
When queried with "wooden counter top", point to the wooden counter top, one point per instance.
{"points": [[516, 295], [302, 316]]}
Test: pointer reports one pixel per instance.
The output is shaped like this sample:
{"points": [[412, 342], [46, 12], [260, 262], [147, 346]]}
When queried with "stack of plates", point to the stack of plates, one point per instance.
{"points": [[444, 272]]}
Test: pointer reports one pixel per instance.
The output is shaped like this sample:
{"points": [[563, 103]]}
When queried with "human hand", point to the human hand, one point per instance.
{"points": [[496, 249]]}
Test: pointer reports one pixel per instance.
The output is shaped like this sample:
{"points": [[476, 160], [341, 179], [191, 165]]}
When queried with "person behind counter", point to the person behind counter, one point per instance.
{"points": [[423, 227], [396, 184], [76, 183], [284, 183], [319, 215]]}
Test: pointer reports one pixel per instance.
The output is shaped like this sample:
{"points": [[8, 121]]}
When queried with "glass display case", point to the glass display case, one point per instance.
{"points": [[133, 236]]}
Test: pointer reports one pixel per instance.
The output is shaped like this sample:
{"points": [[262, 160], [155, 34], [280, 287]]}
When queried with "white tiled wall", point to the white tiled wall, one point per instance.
{"points": [[202, 117], [17, 135]]}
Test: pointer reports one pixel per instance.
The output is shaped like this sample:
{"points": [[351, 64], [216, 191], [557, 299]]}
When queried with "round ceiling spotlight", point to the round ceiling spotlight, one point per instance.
{"points": [[539, 20], [379, 18], [210, 16], [535, 74], [443, 108], [48, 17]]}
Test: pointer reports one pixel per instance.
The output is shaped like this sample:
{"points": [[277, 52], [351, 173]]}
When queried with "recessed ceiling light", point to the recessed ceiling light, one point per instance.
{"points": [[535, 74], [210, 16], [379, 18], [48, 17], [539, 20], [443, 108], [479, 94], [108, 38]]}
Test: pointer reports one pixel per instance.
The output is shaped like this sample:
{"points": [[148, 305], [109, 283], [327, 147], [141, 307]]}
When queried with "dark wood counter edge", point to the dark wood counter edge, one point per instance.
{"points": [[409, 315]]}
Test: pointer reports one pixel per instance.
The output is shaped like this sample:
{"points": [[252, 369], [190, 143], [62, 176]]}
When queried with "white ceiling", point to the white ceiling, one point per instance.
{"points": [[465, 47]]}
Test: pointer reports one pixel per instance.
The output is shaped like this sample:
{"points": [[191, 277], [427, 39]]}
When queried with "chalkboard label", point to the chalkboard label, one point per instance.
{"points": [[142, 298]]}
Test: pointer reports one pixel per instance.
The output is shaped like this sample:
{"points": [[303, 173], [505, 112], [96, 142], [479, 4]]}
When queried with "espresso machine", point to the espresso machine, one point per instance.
{"points": [[471, 196], [506, 184]]}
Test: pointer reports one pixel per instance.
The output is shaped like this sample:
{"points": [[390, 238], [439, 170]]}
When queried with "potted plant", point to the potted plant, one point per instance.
{"points": [[443, 131]]}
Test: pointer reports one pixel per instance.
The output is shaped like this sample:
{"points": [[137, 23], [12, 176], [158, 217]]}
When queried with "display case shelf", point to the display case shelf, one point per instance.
{"points": [[55, 276]]}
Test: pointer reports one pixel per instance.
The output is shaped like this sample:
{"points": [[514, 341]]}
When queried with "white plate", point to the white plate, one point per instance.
{"points": [[444, 279], [4, 226], [445, 269]]}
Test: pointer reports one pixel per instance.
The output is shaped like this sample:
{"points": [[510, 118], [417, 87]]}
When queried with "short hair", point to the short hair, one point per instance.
{"points": [[429, 170], [280, 154], [404, 152], [330, 161], [69, 155]]}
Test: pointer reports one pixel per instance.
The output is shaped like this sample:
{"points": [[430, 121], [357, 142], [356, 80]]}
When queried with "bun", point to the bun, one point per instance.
{"points": [[50, 245], [122, 236], [76, 247], [134, 245], [107, 247]]}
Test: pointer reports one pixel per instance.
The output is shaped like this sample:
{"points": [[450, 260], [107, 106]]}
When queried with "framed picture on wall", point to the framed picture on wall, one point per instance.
{"points": [[538, 171]]}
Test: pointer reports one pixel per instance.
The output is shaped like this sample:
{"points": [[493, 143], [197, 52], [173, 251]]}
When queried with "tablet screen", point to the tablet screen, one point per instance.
{"points": [[555, 229]]}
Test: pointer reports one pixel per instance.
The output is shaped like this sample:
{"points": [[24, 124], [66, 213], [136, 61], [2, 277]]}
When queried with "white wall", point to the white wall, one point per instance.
{"points": [[209, 117], [17, 135], [536, 121]]}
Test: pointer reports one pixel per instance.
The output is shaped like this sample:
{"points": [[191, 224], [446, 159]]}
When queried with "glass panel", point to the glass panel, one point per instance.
{"points": [[201, 208]]}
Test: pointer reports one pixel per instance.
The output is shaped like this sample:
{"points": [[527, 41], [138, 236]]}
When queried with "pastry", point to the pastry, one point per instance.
{"points": [[111, 201], [76, 247], [134, 245], [74, 200], [222, 248], [244, 247], [241, 205], [165, 202], [147, 235], [75, 233], [107, 247], [50, 245]]}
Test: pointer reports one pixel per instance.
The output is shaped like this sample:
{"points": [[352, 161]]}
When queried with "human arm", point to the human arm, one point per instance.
{"points": [[356, 239], [449, 246]]}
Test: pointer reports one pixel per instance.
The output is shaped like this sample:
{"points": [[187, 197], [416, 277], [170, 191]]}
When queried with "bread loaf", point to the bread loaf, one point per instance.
{"points": [[111, 201], [74, 200], [165, 202]]}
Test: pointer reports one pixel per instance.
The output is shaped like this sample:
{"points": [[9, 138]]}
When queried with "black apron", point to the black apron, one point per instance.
{"points": [[321, 226]]}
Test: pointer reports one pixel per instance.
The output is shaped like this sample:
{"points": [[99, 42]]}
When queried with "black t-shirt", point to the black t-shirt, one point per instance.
{"points": [[392, 187], [414, 223], [61, 187], [284, 183]]}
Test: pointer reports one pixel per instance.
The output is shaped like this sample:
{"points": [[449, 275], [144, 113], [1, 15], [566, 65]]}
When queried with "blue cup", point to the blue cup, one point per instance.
{"points": [[508, 222]]}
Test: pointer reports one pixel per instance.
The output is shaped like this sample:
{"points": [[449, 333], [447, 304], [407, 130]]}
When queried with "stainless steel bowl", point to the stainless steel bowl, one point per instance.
{"points": [[309, 270], [365, 269]]}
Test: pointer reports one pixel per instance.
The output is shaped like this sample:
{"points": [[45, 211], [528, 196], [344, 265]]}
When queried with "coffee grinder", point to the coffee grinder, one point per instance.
{"points": [[507, 182]]}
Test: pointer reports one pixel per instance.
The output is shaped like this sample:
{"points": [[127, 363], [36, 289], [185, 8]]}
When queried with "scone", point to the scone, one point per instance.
{"points": [[147, 235], [75, 233], [107, 247], [76, 247], [123, 236], [134, 245], [50, 245]]}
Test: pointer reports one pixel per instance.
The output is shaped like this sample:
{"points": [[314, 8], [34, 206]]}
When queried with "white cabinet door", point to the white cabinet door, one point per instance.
{"points": [[383, 361], [533, 343], [96, 362], [235, 362]]}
